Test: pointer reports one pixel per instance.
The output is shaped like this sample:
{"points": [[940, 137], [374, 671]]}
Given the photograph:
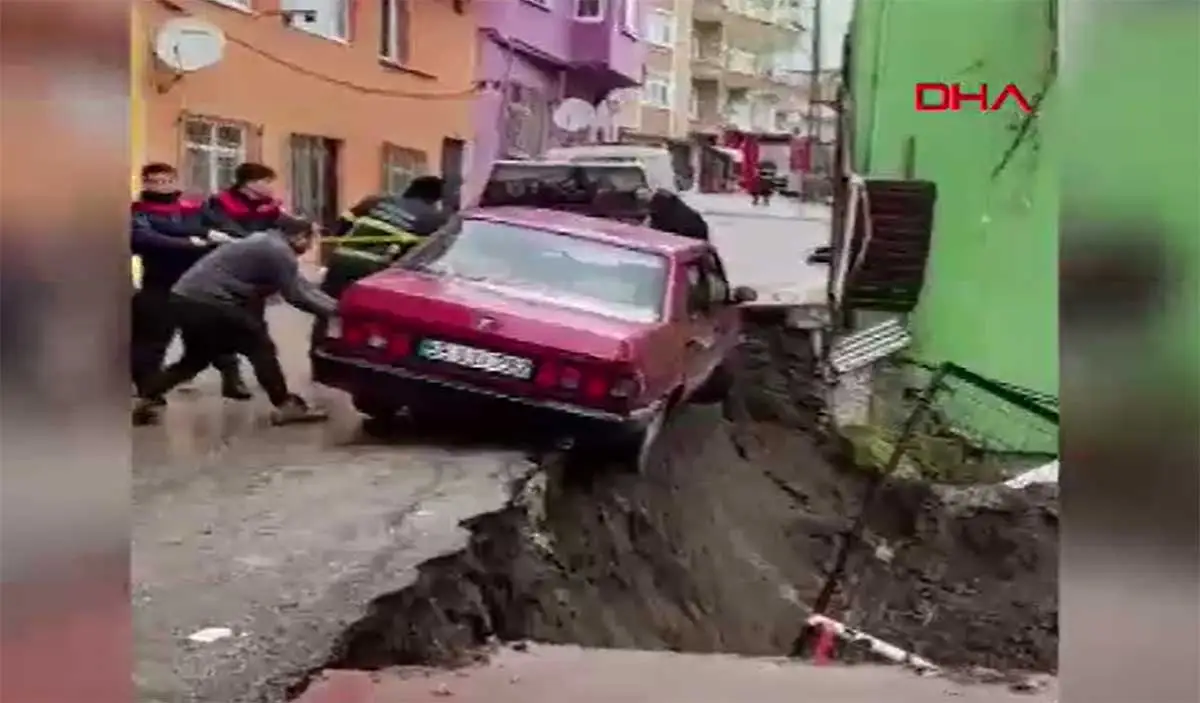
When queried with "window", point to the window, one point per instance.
{"points": [[236, 4], [656, 91], [660, 28], [694, 106], [718, 284], [592, 10], [632, 22], [212, 149], [314, 179], [548, 267], [697, 290], [394, 30], [331, 20], [400, 166]]}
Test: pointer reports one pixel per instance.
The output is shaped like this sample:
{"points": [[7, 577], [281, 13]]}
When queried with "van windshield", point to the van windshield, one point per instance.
{"points": [[608, 190], [546, 266]]}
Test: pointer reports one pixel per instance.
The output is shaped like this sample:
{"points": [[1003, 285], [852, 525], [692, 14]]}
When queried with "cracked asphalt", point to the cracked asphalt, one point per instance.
{"points": [[281, 535]]}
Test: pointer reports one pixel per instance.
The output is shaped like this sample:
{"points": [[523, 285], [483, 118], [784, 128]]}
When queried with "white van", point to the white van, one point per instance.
{"points": [[655, 160]]}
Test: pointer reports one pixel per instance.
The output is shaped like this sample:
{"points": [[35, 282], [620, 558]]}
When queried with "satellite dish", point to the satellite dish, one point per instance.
{"points": [[574, 115], [186, 44]]}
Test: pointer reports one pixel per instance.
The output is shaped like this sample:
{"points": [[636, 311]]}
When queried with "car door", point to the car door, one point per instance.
{"points": [[701, 346], [725, 317]]}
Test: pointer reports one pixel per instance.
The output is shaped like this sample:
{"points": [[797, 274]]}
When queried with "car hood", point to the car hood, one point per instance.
{"points": [[488, 312]]}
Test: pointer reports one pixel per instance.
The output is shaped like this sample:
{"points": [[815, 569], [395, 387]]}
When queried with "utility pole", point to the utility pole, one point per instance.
{"points": [[814, 93]]}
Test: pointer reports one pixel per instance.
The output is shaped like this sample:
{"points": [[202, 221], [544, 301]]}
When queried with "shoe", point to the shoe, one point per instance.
{"points": [[145, 411], [295, 411], [235, 389]]}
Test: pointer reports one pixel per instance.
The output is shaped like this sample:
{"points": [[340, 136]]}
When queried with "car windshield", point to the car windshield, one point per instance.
{"points": [[547, 266]]}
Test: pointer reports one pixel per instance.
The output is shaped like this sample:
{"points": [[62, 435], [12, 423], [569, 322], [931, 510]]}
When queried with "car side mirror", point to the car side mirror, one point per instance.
{"points": [[744, 294]]}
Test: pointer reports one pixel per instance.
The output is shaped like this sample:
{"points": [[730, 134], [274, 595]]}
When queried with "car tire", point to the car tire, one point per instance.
{"points": [[716, 388], [636, 451], [375, 410]]}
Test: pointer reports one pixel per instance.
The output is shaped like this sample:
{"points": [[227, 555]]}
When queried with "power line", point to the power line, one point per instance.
{"points": [[333, 80]]}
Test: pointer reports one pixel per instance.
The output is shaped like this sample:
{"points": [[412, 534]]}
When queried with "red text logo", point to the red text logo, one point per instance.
{"points": [[955, 97]]}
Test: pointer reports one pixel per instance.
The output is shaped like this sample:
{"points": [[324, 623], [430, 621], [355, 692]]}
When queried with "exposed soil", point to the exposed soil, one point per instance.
{"points": [[724, 545]]}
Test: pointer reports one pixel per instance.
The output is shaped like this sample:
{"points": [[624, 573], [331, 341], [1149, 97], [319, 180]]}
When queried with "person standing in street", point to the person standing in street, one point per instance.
{"points": [[218, 304], [169, 236]]}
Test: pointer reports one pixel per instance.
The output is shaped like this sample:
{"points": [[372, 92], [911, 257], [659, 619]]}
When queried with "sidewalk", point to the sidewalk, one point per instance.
{"points": [[553, 674]]}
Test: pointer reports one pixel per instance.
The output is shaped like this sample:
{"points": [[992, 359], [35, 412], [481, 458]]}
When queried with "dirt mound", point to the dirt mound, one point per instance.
{"points": [[962, 577], [717, 553], [725, 544]]}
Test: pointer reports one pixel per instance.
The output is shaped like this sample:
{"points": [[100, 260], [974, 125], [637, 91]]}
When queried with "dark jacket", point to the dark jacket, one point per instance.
{"points": [[239, 215], [160, 233], [391, 214], [668, 213]]}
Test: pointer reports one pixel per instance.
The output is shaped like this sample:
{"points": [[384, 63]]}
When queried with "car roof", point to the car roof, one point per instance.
{"points": [[594, 228], [591, 149]]}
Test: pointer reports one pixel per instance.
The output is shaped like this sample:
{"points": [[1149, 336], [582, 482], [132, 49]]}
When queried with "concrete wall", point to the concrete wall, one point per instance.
{"points": [[990, 301]]}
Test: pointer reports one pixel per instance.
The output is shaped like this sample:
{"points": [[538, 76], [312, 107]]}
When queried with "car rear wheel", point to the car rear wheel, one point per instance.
{"points": [[374, 409]]}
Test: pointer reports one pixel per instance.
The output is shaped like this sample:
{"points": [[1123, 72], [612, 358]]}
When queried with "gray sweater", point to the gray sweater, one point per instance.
{"points": [[247, 272]]}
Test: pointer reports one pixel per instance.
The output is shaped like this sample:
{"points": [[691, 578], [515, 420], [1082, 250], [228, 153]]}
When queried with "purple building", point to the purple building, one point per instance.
{"points": [[534, 53]]}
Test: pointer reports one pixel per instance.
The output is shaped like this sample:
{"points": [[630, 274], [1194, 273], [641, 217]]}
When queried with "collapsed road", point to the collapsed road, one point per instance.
{"points": [[290, 551], [268, 541]]}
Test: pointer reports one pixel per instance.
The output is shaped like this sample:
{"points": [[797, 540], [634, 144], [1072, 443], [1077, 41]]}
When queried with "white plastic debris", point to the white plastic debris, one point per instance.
{"points": [[1047, 473], [210, 634], [888, 651]]}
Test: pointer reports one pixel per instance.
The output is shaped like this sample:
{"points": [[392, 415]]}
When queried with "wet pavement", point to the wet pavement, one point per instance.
{"points": [[766, 247], [280, 536], [545, 674]]}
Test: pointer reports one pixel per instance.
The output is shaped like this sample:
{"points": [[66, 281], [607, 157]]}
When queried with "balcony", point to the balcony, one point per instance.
{"points": [[708, 61], [750, 24]]}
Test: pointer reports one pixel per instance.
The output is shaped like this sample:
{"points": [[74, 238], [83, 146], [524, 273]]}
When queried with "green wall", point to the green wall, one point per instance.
{"points": [[990, 300]]}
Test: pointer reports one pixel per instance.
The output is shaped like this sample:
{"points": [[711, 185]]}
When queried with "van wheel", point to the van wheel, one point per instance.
{"points": [[716, 388]]}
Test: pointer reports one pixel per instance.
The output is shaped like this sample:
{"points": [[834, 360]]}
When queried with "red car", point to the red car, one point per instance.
{"points": [[599, 328]]}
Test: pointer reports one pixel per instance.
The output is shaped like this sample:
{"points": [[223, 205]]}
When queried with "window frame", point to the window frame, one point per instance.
{"points": [[631, 17], [316, 28], [668, 20], [668, 84], [211, 149], [389, 166], [598, 16], [394, 34]]}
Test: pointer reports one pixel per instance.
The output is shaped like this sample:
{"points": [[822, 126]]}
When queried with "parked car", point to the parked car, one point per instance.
{"points": [[596, 329]]}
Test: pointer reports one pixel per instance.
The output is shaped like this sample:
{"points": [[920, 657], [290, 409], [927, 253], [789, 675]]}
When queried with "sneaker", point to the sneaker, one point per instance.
{"points": [[296, 411], [235, 389]]}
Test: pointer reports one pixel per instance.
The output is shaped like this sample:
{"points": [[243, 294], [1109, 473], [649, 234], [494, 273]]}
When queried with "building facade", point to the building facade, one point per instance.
{"points": [[535, 53], [713, 67], [984, 294], [354, 99]]}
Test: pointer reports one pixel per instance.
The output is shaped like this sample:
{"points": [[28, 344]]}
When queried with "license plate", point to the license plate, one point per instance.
{"points": [[473, 358]]}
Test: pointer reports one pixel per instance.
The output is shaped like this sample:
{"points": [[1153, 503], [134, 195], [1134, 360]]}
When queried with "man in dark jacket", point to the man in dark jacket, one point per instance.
{"points": [[219, 304], [169, 236], [248, 205], [407, 218], [668, 213]]}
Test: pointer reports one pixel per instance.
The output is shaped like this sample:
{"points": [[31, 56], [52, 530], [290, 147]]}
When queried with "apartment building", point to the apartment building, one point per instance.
{"points": [[712, 67], [536, 53], [354, 97]]}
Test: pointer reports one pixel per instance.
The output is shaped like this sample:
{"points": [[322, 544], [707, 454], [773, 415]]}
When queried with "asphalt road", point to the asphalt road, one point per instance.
{"points": [[766, 247], [281, 535]]}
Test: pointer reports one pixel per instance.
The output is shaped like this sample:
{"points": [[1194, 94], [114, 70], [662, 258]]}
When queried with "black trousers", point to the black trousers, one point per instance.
{"points": [[152, 328], [211, 332]]}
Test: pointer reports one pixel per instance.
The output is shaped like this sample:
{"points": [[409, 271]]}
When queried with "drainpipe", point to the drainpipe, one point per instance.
{"points": [[876, 63]]}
